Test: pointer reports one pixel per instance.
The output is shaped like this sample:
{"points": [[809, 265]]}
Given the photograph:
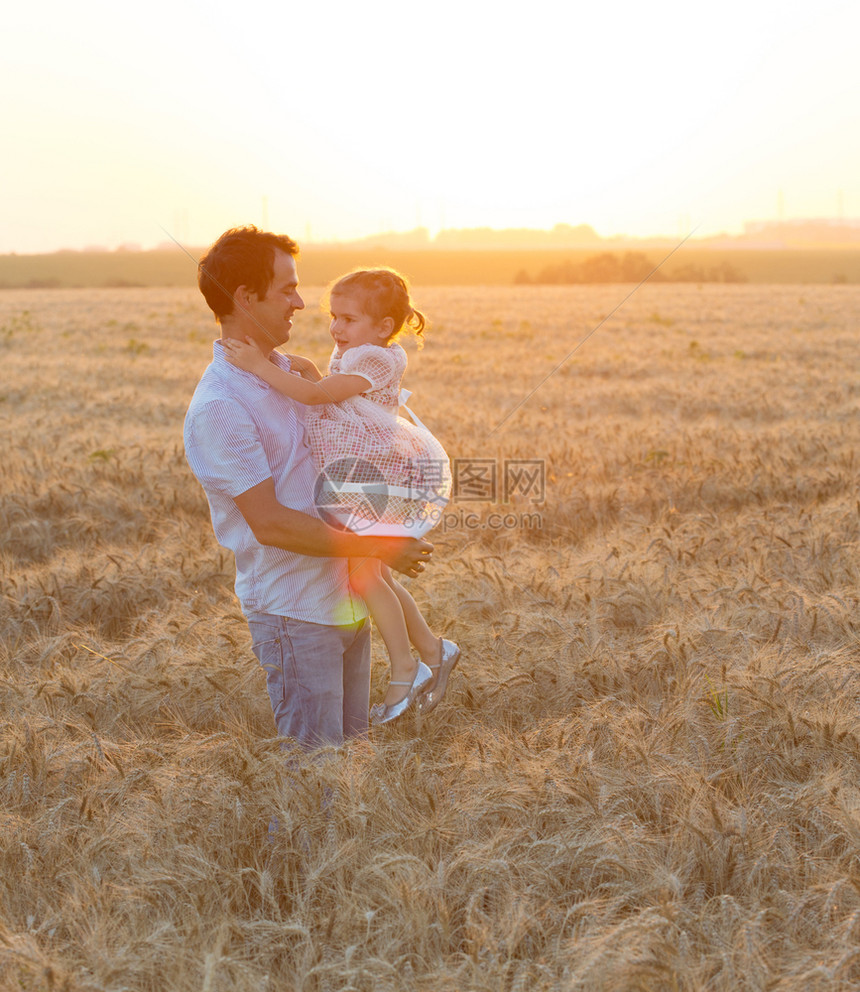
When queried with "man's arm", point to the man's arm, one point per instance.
{"points": [[277, 525]]}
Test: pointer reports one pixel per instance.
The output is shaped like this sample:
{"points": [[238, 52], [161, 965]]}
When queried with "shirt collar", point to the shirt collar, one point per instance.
{"points": [[223, 366]]}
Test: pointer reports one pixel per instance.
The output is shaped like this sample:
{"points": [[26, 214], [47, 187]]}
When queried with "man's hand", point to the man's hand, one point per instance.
{"points": [[407, 555]]}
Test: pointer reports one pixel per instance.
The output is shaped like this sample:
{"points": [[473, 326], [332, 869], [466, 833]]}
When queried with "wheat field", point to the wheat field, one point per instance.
{"points": [[646, 774]]}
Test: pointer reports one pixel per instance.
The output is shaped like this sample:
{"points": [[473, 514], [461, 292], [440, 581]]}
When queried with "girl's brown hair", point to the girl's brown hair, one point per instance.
{"points": [[385, 293]]}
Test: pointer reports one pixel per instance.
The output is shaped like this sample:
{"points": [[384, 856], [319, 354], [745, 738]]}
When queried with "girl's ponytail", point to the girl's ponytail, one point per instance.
{"points": [[417, 321]]}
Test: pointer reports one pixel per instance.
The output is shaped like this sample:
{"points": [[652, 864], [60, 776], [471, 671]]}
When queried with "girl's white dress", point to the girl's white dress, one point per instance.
{"points": [[379, 473]]}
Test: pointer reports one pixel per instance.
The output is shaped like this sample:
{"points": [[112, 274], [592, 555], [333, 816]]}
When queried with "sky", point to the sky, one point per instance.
{"points": [[335, 120]]}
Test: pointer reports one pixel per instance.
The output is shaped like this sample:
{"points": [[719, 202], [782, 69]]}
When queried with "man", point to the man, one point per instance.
{"points": [[246, 445]]}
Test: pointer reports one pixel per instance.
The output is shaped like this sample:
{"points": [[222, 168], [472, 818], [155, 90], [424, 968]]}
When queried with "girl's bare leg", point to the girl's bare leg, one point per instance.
{"points": [[385, 607], [425, 642]]}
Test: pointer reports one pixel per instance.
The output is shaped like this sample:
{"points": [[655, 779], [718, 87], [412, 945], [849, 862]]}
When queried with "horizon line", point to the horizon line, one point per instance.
{"points": [[751, 228]]}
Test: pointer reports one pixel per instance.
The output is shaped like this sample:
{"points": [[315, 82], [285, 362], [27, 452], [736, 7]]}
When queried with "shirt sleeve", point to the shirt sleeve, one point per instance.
{"points": [[370, 362], [224, 450]]}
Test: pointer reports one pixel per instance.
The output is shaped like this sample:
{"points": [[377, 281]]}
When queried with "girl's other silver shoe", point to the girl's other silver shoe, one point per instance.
{"points": [[448, 659]]}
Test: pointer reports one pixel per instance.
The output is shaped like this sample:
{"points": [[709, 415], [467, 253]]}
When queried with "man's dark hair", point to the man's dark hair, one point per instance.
{"points": [[242, 256]]}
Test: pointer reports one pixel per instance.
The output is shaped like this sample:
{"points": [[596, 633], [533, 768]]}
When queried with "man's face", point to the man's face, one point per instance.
{"points": [[270, 317]]}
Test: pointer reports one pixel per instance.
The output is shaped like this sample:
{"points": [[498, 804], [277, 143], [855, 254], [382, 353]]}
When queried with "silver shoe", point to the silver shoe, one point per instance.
{"points": [[380, 713], [447, 663]]}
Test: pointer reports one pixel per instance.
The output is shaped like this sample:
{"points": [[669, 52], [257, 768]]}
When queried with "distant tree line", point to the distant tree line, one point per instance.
{"points": [[632, 266]]}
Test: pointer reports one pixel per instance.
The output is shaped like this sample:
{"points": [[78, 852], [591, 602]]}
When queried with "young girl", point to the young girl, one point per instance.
{"points": [[379, 474]]}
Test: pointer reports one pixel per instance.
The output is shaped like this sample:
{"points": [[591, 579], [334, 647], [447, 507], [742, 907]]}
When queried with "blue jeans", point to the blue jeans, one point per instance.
{"points": [[318, 677]]}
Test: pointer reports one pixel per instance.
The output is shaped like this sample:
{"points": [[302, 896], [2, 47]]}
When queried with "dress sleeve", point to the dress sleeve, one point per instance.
{"points": [[371, 362]]}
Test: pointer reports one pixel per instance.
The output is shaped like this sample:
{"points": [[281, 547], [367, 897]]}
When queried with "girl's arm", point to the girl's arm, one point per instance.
{"points": [[330, 388]]}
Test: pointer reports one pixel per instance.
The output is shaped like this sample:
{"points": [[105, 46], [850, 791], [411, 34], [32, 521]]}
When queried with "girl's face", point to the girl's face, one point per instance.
{"points": [[351, 326]]}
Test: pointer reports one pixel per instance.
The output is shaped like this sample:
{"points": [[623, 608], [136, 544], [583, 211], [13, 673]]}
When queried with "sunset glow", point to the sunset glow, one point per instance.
{"points": [[337, 121]]}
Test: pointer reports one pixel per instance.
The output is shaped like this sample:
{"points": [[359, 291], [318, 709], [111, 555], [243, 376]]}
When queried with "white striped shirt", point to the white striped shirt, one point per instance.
{"points": [[239, 431]]}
